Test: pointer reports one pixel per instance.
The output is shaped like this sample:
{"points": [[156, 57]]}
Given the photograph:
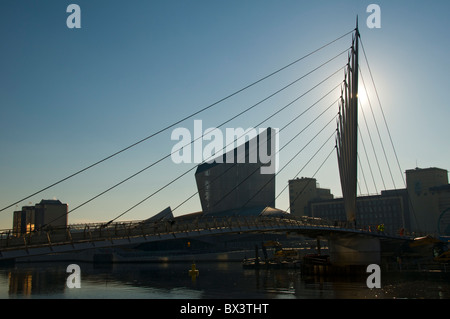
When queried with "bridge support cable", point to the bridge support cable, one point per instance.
{"points": [[373, 148], [368, 161], [176, 122], [222, 124], [312, 157], [364, 177], [378, 132], [283, 108], [295, 136], [281, 129], [292, 158], [389, 133], [284, 128], [281, 169], [382, 112], [289, 104]]}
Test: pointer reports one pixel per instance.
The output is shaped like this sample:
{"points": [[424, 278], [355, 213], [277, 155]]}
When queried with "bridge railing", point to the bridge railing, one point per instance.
{"points": [[119, 230]]}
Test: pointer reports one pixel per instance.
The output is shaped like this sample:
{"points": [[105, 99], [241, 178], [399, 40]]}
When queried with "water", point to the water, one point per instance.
{"points": [[224, 280]]}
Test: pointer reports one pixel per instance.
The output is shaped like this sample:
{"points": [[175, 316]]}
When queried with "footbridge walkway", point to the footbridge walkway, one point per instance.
{"points": [[91, 236]]}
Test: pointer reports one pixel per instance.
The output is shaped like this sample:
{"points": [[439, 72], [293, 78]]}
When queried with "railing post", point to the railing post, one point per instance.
{"points": [[69, 236], [127, 231], [7, 238], [259, 222], [84, 231], [25, 240], [108, 234], [246, 221], [143, 231], [49, 240], [90, 234]]}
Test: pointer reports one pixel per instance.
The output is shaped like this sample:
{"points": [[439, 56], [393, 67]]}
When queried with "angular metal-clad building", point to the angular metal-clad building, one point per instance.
{"points": [[240, 179]]}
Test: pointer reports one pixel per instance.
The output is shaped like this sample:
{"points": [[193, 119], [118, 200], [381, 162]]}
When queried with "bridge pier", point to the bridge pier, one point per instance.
{"points": [[356, 250], [348, 255]]}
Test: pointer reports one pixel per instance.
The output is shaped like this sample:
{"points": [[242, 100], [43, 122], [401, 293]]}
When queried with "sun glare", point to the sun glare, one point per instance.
{"points": [[362, 96]]}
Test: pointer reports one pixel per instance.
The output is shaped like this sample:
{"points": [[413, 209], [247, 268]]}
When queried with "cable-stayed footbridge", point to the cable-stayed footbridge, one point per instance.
{"points": [[337, 120], [76, 238]]}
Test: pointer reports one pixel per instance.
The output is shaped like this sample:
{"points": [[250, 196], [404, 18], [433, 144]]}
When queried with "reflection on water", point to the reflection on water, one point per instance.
{"points": [[215, 280]]}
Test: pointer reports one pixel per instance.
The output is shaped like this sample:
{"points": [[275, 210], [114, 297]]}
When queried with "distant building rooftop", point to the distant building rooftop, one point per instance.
{"points": [[50, 202]]}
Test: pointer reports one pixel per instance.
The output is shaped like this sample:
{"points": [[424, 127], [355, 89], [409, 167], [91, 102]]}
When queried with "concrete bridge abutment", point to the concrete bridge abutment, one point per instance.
{"points": [[356, 250]]}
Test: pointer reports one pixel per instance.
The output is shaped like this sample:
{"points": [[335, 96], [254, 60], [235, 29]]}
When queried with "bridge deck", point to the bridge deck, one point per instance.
{"points": [[90, 236]]}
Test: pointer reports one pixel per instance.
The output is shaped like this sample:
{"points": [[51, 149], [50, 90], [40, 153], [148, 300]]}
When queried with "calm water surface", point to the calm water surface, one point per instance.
{"points": [[225, 280]]}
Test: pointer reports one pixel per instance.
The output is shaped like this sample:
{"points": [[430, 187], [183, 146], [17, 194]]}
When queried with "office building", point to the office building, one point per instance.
{"points": [[48, 213], [416, 209], [302, 191], [389, 209], [429, 191]]}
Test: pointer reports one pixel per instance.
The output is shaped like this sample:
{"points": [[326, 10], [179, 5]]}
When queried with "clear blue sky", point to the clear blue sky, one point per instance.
{"points": [[70, 97]]}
